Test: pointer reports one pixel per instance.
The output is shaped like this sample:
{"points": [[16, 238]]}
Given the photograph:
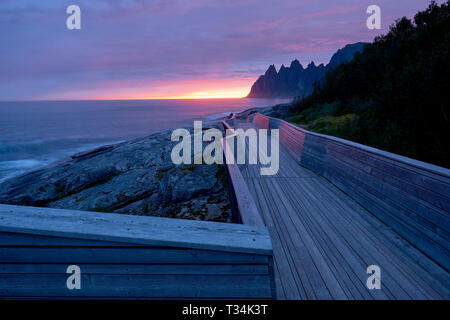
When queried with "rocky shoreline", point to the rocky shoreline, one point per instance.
{"points": [[134, 177]]}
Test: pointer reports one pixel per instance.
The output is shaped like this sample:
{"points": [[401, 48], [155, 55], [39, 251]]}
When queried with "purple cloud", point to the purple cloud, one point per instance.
{"points": [[126, 45]]}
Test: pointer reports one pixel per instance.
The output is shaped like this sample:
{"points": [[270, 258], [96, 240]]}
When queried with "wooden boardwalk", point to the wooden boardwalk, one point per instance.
{"points": [[323, 240], [310, 231]]}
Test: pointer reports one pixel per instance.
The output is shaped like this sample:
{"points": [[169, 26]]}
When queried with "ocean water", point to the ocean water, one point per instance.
{"points": [[35, 134]]}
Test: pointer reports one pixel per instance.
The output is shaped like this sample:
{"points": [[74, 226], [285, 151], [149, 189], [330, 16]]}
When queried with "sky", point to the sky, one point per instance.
{"points": [[150, 49]]}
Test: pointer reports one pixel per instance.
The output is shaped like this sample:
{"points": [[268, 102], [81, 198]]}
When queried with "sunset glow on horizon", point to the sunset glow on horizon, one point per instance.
{"points": [[194, 96], [171, 49], [233, 88], [204, 94], [219, 94], [213, 94]]}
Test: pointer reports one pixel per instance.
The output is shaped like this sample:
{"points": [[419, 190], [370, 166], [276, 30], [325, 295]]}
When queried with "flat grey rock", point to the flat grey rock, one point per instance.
{"points": [[133, 177]]}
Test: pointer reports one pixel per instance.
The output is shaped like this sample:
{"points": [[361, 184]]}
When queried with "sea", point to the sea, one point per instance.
{"points": [[34, 134]]}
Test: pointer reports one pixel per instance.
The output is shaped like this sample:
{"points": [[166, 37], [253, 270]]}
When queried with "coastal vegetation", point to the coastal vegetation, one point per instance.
{"points": [[394, 95]]}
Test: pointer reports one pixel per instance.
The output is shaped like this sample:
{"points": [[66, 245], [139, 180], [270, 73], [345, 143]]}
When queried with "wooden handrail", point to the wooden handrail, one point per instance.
{"points": [[142, 230], [243, 206], [385, 154]]}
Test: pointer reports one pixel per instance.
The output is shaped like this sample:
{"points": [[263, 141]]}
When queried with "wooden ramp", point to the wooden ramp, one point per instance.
{"points": [[323, 240]]}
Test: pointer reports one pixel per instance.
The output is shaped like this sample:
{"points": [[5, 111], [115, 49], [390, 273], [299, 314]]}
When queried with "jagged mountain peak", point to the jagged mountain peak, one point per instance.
{"points": [[295, 63], [271, 71], [311, 65], [295, 80]]}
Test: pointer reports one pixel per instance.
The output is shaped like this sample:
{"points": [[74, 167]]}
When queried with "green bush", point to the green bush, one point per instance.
{"points": [[396, 90]]}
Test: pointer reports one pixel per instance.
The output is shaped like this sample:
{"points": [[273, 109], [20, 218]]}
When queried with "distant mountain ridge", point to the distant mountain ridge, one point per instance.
{"points": [[295, 80]]}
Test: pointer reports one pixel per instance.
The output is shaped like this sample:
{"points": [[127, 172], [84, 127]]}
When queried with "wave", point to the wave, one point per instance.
{"points": [[18, 159], [13, 168]]}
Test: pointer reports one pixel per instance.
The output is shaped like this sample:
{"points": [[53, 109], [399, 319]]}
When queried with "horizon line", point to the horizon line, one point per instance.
{"points": [[131, 99]]}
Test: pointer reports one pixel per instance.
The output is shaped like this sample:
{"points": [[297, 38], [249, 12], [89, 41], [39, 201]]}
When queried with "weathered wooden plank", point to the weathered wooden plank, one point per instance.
{"points": [[130, 269], [22, 239], [289, 281], [124, 255], [134, 229], [148, 286], [294, 286], [303, 287], [281, 295]]}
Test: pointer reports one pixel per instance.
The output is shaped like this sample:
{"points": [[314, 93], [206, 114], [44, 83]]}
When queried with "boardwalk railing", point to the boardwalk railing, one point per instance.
{"points": [[242, 204], [410, 196], [130, 257]]}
